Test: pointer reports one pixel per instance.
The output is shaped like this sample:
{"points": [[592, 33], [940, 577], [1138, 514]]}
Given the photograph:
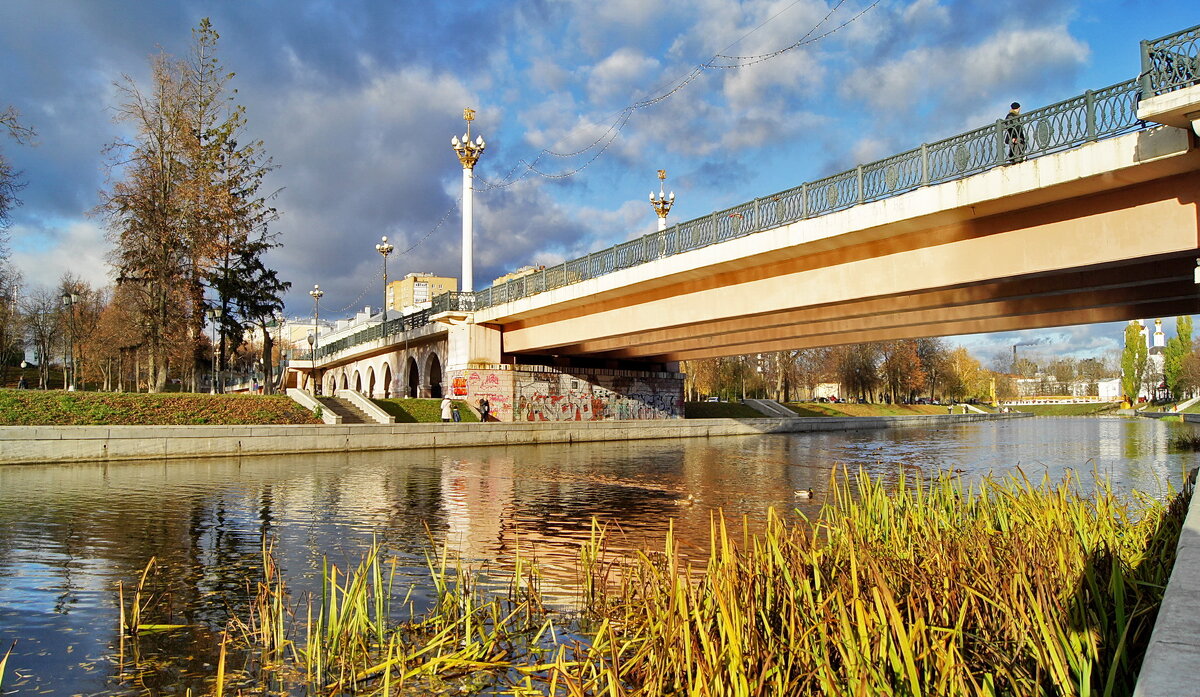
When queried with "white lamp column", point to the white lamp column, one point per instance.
{"points": [[468, 154]]}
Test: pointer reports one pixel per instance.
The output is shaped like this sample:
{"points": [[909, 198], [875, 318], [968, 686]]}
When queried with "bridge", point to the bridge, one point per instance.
{"points": [[1096, 220]]}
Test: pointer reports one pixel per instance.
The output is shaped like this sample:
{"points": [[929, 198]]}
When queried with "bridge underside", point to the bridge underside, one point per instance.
{"points": [[1124, 252]]}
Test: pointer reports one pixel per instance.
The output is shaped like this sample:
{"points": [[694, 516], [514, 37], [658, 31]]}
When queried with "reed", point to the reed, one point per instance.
{"points": [[4, 662], [1009, 588], [923, 587]]}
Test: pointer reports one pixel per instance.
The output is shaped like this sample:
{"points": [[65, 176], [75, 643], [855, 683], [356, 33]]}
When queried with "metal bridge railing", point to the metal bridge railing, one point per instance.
{"points": [[1088, 117], [1169, 63]]}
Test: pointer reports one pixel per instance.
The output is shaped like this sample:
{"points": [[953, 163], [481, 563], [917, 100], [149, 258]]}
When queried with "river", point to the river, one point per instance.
{"points": [[69, 533]]}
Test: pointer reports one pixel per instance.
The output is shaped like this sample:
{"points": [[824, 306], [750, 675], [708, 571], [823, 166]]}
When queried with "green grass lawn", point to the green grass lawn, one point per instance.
{"points": [[59, 408], [412, 411], [1067, 409]]}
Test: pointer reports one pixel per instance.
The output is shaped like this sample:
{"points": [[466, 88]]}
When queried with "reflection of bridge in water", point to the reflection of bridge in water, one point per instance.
{"points": [[1098, 222]]}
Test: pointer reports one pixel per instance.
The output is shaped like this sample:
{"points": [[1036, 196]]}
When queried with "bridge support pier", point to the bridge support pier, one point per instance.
{"points": [[517, 392]]}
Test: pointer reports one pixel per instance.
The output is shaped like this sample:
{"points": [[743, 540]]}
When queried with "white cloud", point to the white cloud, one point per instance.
{"points": [[79, 247], [958, 76], [623, 73], [926, 15]]}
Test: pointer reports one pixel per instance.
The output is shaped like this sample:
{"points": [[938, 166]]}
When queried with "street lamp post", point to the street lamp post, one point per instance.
{"points": [[468, 154], [314, 339], [68, 301], [662, 204], [384, 249], [214, 316]]}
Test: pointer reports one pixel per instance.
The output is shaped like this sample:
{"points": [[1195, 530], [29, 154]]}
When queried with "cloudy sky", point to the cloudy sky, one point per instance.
{"points": [[356, 101]]}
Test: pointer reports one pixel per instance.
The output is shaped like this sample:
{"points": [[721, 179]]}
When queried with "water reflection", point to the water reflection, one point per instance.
{"points": [[69, 533]]}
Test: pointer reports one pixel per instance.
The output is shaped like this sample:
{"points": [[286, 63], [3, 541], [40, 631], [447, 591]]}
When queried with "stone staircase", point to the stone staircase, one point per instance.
{"points": [[350, 414], [769, 407]]}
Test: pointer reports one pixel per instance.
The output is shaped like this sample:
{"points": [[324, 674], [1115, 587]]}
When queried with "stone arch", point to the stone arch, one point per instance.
{"points": [[371, 382], [387, 380], [413, 377], [345, 384], [358, 381], [434, 370]]}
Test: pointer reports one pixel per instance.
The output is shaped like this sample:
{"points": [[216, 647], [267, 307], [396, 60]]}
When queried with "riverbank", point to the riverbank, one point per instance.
{"points": [[57, 444]]}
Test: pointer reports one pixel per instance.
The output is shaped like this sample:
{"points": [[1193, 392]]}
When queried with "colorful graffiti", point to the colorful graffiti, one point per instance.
{"points": [[548, 395]]}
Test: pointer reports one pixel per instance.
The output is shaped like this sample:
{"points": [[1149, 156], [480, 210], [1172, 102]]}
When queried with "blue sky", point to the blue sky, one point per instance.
{"points": [[356, 101]]}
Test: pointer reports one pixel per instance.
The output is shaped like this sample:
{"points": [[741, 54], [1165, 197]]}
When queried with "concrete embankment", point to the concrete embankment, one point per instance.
{"points": [[1174, 650], [48, 444]]}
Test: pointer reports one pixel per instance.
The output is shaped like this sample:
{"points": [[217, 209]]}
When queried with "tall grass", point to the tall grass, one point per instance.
{"points": [[927, 587], [1010, 588]]}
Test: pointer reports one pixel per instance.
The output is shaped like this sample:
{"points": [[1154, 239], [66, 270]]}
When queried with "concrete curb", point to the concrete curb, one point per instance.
{"points": [[57, 444]]}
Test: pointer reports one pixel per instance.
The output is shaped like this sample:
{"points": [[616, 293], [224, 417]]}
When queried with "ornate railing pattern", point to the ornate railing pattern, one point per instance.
{"points": [[446, 302], [1168, 63], [1172, 62]]}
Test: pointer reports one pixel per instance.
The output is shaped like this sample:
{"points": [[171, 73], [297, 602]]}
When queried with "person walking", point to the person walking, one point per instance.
{"points": [[446, 410], [485, 409], [1014, 134], [456, 413]]}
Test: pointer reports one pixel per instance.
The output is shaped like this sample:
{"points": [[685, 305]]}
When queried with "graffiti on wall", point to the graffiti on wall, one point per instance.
{"points": [[519, 395]]}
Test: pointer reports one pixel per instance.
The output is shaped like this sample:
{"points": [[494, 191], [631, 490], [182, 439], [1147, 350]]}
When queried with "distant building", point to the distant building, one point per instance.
{"points": [[417, 290], [523, 271]]}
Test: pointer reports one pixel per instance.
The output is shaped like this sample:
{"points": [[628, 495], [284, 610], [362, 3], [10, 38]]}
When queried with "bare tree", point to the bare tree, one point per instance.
{"points": [[12, 339], [41, 309], [10, 179]]}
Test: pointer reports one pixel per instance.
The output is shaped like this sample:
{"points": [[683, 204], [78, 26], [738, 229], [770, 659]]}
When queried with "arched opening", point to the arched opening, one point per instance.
{"points": [[414, 377], [371, 382], [387, 381], [435, 376], [357, 381], [345, 385]]}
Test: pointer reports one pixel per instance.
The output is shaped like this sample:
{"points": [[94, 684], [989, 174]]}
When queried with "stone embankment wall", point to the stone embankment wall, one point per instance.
{"points": [[48, 444]]}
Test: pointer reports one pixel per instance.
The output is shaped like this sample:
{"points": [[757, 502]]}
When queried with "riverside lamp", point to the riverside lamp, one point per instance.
{"points": [[468, 154], [214, 316], [384, 249], [662, 204], [314, 340], [68, 302]]}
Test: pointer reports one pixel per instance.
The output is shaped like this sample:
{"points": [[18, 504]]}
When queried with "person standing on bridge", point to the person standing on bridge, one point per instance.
{"points": [[446, 409], [1014, 135]]}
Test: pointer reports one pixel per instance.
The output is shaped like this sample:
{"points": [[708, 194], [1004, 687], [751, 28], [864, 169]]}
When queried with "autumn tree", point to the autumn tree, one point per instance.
{"points": [[1133, 361], [965, 376], [228, 214], [900, 369], [858, 369], [933, 356], [188, 204], [813, 366], [701, 377]]}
